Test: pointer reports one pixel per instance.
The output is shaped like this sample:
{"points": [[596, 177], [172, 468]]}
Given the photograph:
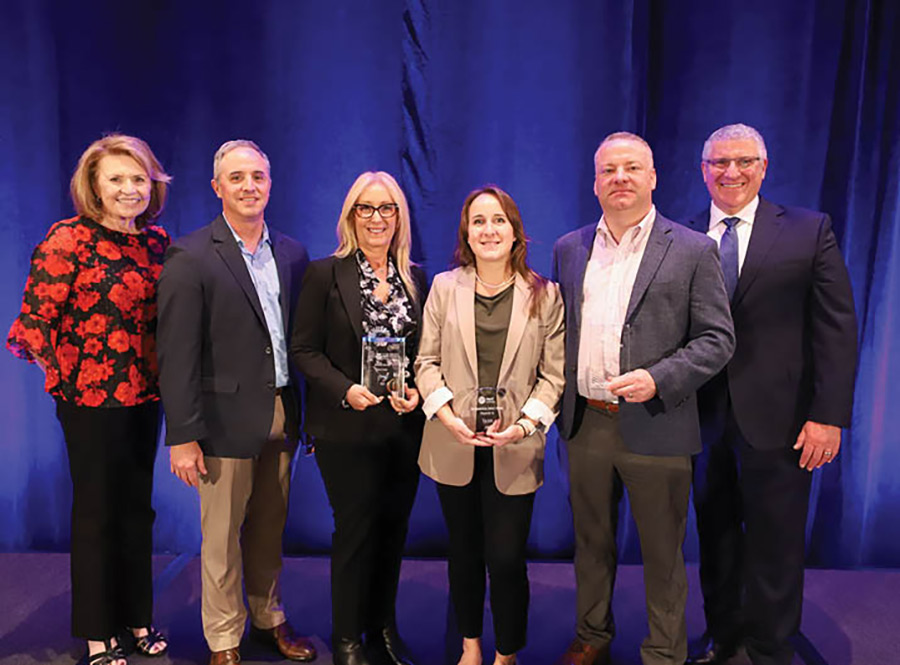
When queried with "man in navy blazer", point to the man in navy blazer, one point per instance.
{"points": [[647, 323], [776, 412], [226, 298]]}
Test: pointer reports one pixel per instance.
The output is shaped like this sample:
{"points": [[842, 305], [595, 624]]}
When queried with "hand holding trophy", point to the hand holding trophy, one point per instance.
{"points": [[489, 413]]}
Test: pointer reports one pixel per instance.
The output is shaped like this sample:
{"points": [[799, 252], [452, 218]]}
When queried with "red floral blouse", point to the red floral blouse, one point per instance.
{"points": [[89, 313]]}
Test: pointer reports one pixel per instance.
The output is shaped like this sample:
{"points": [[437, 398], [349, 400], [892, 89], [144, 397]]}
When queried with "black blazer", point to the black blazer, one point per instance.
{"points": [[326, 346], [217, 376], [795, 326]]}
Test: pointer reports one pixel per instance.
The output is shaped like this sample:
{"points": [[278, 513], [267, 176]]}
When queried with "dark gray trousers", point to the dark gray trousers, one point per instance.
{"points": [[600, 467]]}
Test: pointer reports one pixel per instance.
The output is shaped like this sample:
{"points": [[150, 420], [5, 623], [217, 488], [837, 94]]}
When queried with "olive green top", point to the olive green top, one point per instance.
{"points": [[492, 314]]}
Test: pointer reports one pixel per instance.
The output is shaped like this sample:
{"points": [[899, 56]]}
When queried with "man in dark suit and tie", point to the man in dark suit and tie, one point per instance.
{"points": [[226, 300], [775, 413], [647, 323]]}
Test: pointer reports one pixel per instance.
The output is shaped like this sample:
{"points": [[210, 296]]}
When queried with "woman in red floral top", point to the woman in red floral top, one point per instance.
{"points": [[89, 320]]}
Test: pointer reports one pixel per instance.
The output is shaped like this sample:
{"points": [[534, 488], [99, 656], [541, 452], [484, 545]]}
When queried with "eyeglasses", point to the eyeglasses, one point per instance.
{"points": [[386, 210], [743, 163]]}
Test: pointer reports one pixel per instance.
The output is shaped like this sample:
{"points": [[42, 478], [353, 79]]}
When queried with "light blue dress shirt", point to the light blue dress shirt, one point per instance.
{"points": [[264, 273]]}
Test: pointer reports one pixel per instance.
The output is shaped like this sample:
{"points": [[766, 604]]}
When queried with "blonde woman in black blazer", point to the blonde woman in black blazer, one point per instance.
{"points": [[366, 446]]}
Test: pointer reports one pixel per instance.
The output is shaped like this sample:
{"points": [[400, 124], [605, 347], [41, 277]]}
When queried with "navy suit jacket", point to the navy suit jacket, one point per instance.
{"points": [[217, 374], [677, 327], [795, 325]]}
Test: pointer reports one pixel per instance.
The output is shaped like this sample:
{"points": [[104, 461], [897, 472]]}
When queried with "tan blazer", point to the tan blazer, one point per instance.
{"points": [[531, 372]]}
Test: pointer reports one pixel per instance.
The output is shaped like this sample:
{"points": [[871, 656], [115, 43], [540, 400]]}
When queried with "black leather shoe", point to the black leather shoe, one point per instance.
{"points": [[709, 651], [348, 652], [387, 648]]}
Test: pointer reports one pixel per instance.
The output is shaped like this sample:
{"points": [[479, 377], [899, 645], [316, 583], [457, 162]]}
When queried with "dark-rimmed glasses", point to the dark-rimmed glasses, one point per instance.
{"points": [[386, 210]]}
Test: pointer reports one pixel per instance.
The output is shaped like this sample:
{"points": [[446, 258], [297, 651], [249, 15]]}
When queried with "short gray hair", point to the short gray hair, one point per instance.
{"points": [[623, 136], [735, 132], [228, 146]]}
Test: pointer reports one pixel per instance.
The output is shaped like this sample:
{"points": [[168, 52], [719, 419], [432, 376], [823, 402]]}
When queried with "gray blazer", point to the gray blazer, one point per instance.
{"points": [[678, 327]]}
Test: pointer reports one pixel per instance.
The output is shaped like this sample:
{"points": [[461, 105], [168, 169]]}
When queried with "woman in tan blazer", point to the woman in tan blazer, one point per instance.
{"points": [[490, 323]]}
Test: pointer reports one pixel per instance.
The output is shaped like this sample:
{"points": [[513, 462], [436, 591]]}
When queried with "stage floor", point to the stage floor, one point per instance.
{"points": [[849, 617]]}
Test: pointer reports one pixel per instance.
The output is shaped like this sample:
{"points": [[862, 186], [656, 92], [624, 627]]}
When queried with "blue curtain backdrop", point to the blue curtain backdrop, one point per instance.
{"points": [[448, 95]]}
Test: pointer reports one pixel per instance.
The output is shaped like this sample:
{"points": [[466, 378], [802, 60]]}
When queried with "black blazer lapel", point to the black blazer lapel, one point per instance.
{"points": [[766, 228], [228, 249], [347, 278], [657, 246], [421, 282]]}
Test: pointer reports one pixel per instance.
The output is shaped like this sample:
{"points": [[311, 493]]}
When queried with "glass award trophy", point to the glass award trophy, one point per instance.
{"points": [[482, 406], [384, 365]]}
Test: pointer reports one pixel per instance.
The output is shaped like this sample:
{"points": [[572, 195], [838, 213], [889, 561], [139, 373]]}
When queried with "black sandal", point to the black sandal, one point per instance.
{"points": [[108, 657], [145, 643]]}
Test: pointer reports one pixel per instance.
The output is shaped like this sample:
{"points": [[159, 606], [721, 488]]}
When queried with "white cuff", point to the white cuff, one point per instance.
{"points": [[435, 401], [537, 410]]}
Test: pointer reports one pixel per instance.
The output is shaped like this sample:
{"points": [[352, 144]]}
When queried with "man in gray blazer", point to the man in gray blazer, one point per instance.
{"points": [[226, 299], [647, 323]]}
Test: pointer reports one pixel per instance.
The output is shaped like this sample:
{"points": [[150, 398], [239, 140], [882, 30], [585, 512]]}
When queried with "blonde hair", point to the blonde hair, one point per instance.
{"points": [[348, 243], [83, 184]]}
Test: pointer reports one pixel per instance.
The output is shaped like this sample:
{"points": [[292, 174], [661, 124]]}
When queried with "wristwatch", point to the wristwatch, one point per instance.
{"points": [[527, 425]]}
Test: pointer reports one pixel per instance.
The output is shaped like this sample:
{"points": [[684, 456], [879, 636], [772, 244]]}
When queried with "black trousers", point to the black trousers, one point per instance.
{"points": [[371, 488], [751, 518], [111, 455], [488, 529]]}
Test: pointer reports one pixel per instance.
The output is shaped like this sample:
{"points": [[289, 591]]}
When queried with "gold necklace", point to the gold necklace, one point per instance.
{"points": [[488, 285]]}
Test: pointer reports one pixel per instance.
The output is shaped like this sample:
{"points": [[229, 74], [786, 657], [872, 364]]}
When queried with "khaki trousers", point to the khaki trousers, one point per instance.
{"points": [[243, 508]]}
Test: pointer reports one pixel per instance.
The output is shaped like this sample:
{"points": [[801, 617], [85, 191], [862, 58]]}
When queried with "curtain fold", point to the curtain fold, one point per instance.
{"points": [[447, 96]]}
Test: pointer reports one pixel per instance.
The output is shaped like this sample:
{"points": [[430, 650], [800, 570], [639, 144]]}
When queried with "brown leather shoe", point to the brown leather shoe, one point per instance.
{"points": [[225, 657], [580, 653], [288, 643]]}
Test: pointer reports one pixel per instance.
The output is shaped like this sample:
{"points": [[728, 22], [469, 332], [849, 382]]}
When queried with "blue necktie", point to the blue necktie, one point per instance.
{"points": [[728, 254]]}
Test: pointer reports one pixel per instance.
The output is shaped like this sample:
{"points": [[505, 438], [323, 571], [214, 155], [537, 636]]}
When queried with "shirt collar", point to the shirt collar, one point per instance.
{"points": [[263, 239], [632, 235], [745, 214]]}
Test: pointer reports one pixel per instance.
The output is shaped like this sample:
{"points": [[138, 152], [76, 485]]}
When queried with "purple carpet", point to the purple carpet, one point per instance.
{"points": [[850, 618]]}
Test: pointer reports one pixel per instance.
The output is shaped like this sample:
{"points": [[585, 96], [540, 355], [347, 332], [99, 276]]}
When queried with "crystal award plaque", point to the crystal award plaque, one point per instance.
{"points": [[482, 406], [383, 365], [487, 408]]}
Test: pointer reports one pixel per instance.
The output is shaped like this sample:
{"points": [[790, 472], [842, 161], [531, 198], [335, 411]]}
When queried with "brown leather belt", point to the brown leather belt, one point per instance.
{"points": [[278, 391], [609, 407]]}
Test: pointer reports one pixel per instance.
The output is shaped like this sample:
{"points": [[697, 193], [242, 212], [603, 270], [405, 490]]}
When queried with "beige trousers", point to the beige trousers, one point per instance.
{"points": [[243, 507]]}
